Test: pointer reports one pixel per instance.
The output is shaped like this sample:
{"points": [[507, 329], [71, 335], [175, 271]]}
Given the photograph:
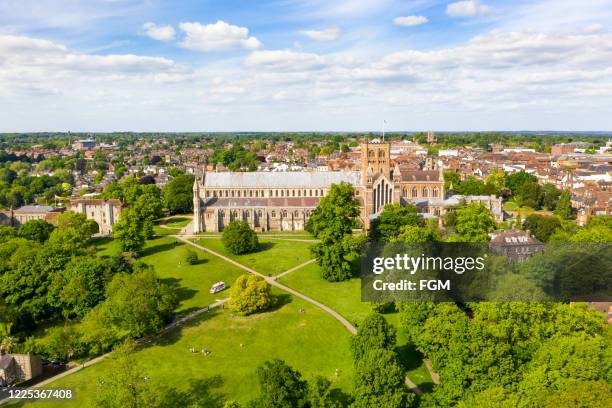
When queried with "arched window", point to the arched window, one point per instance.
{"points": [[273, 214], [232, 193], [381, 154], [299, 193], [256, 193], [414, 192], [371, 153], [425, 192], [434, 192], [404, 192]]}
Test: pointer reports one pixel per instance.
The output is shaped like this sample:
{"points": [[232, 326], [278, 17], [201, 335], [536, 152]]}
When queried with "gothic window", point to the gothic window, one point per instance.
{"points": [[371, 153], [299, 193], [232, 193], [256, 193], [414, 192], [282, 193], [381, 154], [404, 193], [434, 192], [425, 192], [259, 213], [273, 214]]}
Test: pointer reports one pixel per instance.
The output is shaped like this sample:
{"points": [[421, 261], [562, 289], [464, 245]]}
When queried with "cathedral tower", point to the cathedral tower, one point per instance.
{"points": [[375, 158]]}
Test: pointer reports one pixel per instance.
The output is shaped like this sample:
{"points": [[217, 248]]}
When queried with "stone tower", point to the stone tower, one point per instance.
{"points": [[375, 159]]}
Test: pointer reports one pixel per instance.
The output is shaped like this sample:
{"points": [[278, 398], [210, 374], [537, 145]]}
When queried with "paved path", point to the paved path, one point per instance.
{"points": [[280, 275], [435, 377], [273, 282]]}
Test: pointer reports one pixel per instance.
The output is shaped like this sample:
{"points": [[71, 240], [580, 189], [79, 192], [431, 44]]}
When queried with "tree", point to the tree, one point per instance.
{"points": [[129, 231], [515, 181], [332, 223], [563, 207], [530, 195], [474, 222], [451, 180], [139, 304], [379, 381], [148, 206], [239, 238], [73, 231], [391, 220], [191, 256], [250, 294], [80, 285], [550, 196], [541, 226], [319, 393], [471, 186], [373, 333], [36, 230], [125, 384], [415, 234], [178, 194], [336, 214], [280, 386]]}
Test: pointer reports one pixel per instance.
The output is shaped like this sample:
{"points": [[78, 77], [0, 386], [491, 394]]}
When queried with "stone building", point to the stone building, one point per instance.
{"points": [[17, 368], [515, 245], [104, 212], [285, 200], [18, 217]]}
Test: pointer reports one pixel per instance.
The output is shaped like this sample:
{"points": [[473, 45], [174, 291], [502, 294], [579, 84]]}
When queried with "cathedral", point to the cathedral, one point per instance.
{"points": [[284, 201]]}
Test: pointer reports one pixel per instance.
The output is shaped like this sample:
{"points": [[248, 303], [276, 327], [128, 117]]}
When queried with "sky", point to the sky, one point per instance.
{"points": [[305, 65]]}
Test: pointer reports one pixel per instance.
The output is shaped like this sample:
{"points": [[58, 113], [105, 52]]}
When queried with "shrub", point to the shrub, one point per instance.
{"points": [[239, 238]]}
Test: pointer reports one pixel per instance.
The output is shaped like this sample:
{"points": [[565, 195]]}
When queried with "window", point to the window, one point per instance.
{"points": [[434, 192], [425, 192], [273, 214], [414, 192]]}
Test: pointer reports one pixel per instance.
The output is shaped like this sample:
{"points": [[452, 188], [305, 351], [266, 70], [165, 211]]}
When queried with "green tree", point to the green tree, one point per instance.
{"points": [[280, 386], [239, 238], [130, 231], [125, 384], [319, 393], [530, 195], [550, 196], [373, 333], [541, 226], [191, 256], [139, 304], [391, 220], [379, 381], [250, 294], [80, 285], [563, 207], [474, 222], [73, 231], [451, 180], [178, 194], [415, 234], [36, 230], [332, 223]]}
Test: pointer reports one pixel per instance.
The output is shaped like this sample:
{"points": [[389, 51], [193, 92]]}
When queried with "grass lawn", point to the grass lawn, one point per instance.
{"points": [[178, 221], [166, 255], [312, 342], [345, 298], [274, 257]]}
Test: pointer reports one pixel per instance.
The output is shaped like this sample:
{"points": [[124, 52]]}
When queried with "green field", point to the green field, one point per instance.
{"points": [[312, 342], [274, 257], [345, 298]]}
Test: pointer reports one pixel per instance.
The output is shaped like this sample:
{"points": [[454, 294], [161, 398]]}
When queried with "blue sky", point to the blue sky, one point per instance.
{"points": [[102, 65]]}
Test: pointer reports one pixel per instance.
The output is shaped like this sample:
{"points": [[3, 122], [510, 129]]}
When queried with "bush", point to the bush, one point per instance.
{"points": [[239, 238], [191, 257], [250, 294]]}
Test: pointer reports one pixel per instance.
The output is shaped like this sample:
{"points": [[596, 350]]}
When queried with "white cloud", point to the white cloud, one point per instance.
{"points": [[467, 8], [410, 21], [594, 28], [159, 33], [285, 61], [217, 36], [327, 34]]}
